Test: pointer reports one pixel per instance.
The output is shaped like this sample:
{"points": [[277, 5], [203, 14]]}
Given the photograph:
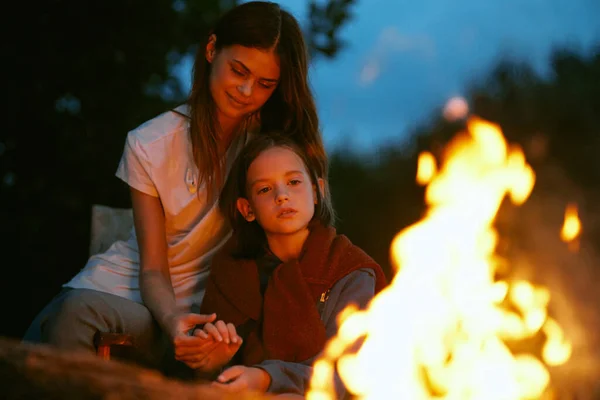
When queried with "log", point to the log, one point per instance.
{"points": [[36, 371]]}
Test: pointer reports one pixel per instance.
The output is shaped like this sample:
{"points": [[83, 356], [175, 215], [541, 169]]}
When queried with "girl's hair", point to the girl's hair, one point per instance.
{"points": [[250, 237], [291, 107]]}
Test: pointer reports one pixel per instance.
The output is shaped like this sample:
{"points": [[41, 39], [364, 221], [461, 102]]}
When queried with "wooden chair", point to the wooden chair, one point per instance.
{"points": [[108, 225], [105, 342]]}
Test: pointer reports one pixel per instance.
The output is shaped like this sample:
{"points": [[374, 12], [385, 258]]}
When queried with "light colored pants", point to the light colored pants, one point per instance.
{"points": [[73, 317]]}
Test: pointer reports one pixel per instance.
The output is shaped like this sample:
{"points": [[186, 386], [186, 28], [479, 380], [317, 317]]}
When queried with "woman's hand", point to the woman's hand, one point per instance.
{"points": [[181, 325], [210, 348], [179, 328], [241, 378]]}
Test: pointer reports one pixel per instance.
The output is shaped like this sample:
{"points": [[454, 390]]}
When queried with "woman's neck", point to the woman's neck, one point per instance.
{"points": [[228, 129], [288, 246]]}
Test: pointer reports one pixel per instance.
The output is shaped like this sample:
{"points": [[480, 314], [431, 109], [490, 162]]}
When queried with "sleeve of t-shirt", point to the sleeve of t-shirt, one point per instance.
{"points": [[135, 166]]}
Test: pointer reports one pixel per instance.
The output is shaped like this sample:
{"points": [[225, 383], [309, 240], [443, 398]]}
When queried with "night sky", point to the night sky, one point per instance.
{"points": [[403, 59]]}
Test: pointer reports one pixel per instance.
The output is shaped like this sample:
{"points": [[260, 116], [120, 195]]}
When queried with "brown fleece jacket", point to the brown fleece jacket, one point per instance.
{"points": [[284, 324]]}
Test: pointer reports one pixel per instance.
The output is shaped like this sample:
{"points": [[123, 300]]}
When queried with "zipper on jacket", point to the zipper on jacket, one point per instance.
{"points": [[322, 300]]}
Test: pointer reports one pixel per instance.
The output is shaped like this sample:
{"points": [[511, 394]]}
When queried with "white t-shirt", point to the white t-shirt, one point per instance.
{"points": [[158, 161]]}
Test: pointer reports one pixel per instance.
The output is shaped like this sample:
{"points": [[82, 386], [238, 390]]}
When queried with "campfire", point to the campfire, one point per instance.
{"points": [[449, 324]]}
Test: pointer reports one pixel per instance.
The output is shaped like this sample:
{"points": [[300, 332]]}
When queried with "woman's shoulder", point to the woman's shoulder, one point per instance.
{"points": [[162, 127]]}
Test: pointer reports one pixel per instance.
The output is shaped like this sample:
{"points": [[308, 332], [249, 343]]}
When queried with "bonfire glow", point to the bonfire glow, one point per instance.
{"points": [[442, 329]]}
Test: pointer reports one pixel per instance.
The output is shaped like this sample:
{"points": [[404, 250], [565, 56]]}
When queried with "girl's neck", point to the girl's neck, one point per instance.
{"points": [[288, 246]]}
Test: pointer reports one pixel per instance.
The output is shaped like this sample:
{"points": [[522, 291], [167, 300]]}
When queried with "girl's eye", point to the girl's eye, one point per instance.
{"points": [[295, 182], [263, 190], [237, 72]]}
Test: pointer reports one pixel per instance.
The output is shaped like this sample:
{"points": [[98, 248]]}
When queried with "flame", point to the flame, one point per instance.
{"points": [[572, 226], [443, 327], [426, 168]]}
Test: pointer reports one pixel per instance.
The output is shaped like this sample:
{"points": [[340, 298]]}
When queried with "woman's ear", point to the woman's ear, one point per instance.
{"points": [[243, 206], [211, 48], [321, 184]]}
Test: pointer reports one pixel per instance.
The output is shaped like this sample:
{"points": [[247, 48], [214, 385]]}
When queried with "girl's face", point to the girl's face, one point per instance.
{"points": [[281, 196], [242, 79]]}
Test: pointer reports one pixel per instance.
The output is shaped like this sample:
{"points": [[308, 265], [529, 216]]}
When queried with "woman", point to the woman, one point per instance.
{"points": [[250, 71]]}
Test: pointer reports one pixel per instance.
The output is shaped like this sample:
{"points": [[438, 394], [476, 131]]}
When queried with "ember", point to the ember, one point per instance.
{"points": [[571, 227]]}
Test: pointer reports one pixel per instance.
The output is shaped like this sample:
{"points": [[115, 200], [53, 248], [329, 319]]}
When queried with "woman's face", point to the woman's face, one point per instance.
{"points": [[241, 80]]}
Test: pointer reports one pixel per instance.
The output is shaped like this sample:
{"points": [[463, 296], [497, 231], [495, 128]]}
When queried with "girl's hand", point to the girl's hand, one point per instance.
{"points": [[240, 378], [214, 346], [220, 342], [208, 355], [219, 331]]}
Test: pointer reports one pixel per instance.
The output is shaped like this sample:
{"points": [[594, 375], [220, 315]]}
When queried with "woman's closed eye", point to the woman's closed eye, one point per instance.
{"points": [[238, 72], [267, 85]]}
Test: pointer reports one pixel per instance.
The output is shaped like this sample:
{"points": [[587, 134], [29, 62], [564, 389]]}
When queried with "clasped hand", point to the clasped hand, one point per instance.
{"points": [[211, 348], [208, 349]]}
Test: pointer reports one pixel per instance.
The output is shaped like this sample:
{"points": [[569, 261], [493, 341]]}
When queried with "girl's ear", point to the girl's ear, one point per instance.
{"points": [[211, 48], [243, 206], [321, 184]]}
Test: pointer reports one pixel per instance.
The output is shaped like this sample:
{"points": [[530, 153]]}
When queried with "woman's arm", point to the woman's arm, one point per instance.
{"points": [[155, 279]]}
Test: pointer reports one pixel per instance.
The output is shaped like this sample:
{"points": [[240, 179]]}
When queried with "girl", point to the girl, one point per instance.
{"points": [[251, 70], [282, 278]]}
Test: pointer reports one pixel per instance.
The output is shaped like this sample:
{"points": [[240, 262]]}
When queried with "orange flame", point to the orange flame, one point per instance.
{"points": [[572, 226], [440, 329], [426, 168]]}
